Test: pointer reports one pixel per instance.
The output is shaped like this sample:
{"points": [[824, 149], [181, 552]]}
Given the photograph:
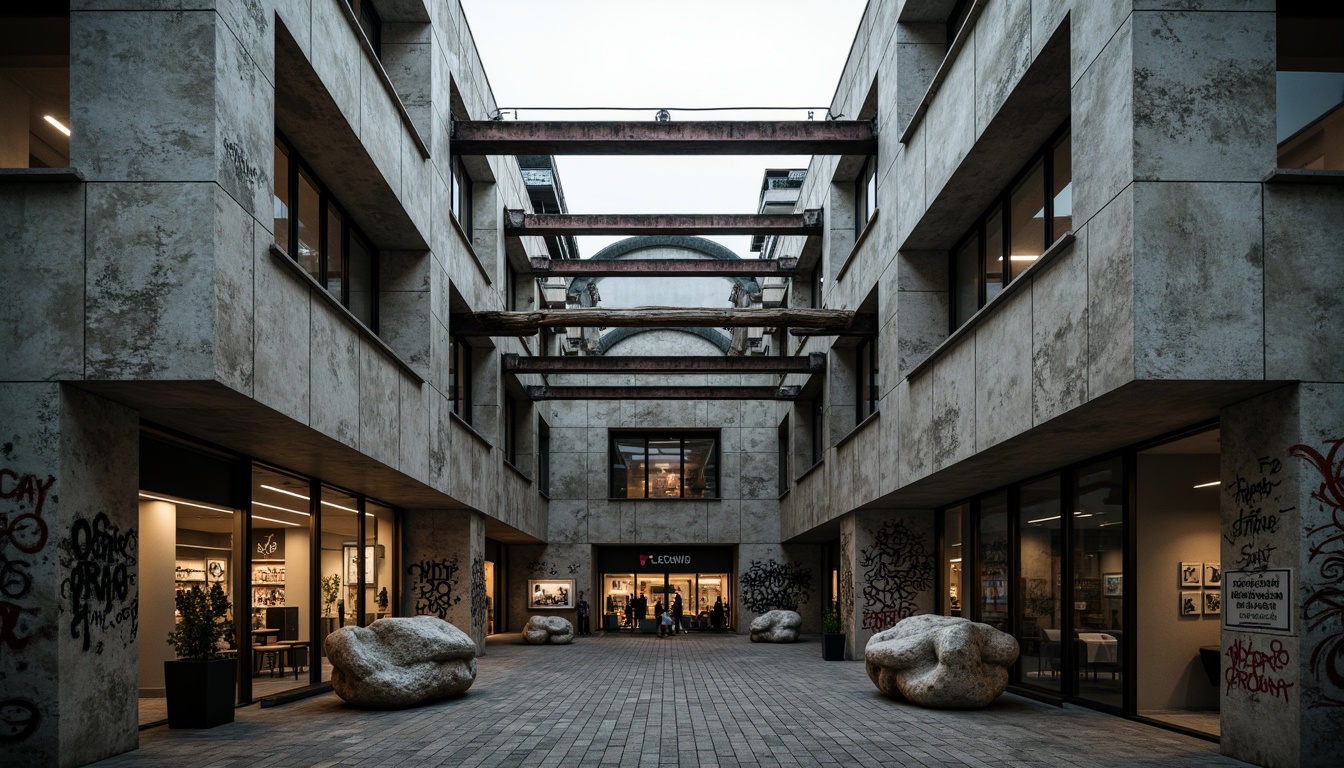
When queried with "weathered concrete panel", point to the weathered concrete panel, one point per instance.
{"points": [[1103, 128], [1110, 295], [1304, 248], [413, 428], [915, 436], [951, 118], [443, 556], [1059, 359], [1198, 281], [672, 522], [1204, 118], [337, 58], [954, 397], [282, 353], [244, 120], [378, 404], [334, 383], [1003, 49], [42, 317], [234, 304], [1003, 372]]}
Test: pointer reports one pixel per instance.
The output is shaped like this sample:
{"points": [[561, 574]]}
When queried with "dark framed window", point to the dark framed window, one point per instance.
{"points": [[818, 282], [664, 465], [1012, 234], [543, 457], [865, 194], [369, 22], [817, 416], [957, 19], [459, 377], [510, 429], [459, 195], [865, 378], [783, 457], [1310, 85], [317, 233]]}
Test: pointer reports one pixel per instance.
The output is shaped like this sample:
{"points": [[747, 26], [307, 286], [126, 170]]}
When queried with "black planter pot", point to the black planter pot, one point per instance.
{"points": [[833, 646], [200, 693]]}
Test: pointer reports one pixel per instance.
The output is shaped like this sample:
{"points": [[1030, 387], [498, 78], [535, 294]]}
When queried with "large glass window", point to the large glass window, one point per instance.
{"points": [[664, 465], [866, 378], [1098, 559], [318, 234], [951, 546], [1039, 551], [1310, 85], [459, 377], [459, 196], [865, 194], [35, 124], [281, 577], [992, 561]]}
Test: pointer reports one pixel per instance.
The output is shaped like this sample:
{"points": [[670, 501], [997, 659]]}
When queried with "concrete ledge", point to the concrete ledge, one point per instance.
{"points": [[1304, 176], [39, 175]]}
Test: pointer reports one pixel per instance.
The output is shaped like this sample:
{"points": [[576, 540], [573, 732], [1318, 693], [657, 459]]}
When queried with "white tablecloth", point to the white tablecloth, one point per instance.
{"points": [[1101, 647]]}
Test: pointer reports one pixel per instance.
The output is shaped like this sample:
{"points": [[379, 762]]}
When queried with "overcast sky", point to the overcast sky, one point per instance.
{"points": [[664, 53]]}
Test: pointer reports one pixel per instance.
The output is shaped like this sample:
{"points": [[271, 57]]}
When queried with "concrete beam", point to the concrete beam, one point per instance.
{"points": [[708, 137], [662, 393], [544, 266], [812, 363], [819, 322], [520, 223]]}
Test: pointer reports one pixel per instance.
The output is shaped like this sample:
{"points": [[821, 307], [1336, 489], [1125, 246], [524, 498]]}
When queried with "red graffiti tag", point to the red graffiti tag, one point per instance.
{"points": [[1324, 607], [28, 531], [1249, 670]]}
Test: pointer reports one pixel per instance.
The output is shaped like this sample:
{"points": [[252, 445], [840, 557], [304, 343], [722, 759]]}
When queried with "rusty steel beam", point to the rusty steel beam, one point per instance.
{"points": [[812, 363], [662, 393], [519, 223], [544, 266], [708, 137]]}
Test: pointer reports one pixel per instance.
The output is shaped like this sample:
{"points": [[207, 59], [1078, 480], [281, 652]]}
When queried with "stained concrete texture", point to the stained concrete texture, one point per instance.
{"points": [[690, 700]]}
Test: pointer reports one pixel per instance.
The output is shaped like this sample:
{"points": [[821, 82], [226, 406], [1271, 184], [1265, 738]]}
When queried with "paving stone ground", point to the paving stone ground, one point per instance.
{"points": [[688, 701]]}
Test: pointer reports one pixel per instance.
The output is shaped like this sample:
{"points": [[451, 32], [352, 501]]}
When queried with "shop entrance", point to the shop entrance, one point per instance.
{"points": [[637, 580]]}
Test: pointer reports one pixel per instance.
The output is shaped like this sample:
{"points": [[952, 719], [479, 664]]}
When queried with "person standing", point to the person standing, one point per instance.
{"points": [[716, 618], [641, 611], [676, 614], [583, 615]]}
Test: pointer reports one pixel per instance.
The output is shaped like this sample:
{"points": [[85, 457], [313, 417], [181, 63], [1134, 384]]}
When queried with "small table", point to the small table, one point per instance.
{"points": [[279, 653], [1101, 649]]}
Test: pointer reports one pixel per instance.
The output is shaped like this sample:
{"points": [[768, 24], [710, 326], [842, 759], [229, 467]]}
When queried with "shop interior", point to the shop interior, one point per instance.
{"points": [[698, 591]]}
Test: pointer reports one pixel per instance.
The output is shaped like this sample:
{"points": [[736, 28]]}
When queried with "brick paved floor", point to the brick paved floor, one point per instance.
{"points": [[692, 700]]}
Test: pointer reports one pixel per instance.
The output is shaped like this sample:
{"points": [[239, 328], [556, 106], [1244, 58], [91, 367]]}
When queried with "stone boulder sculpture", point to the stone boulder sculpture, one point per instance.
{"points": [[941, 661], [548, 629], [776, 627], [400, 662]]}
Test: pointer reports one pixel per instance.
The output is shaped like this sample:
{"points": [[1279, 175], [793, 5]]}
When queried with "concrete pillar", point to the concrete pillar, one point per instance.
{"points": [[1282, 693], [886, 572], [779, 576], [69, 609], [443, 569], [158, 544]]}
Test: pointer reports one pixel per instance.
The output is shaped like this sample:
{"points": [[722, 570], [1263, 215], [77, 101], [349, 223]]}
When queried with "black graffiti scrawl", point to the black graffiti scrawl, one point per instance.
{"points": [[435, 584], [772, 586], [845, 599], [101, 559], [478, 600], [896, 568]]}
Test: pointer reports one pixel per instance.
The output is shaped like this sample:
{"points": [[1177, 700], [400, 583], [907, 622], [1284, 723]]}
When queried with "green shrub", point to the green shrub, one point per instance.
{"points": [[203, 623]]}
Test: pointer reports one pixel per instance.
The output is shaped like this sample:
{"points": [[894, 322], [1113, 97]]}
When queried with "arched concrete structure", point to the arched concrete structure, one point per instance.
{"points": [[699, 245]]}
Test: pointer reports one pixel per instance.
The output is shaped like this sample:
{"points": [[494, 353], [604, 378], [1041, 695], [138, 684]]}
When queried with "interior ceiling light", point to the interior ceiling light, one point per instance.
{"points": [[273, 520], [144, 495], [282, 509], [1209, 485], [305, 498], [59, 125]]}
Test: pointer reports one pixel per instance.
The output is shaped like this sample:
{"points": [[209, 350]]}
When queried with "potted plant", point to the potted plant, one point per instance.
{"points": [[201, 683], [832, 634]]}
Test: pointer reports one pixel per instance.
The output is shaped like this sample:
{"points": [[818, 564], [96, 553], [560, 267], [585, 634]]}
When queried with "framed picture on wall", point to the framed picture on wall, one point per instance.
{"points": [[351, 556], [1112, 585], [1190, 603], [1213, 603], [215, 570], [1213, 574], [550, 594], [1192, 574]]}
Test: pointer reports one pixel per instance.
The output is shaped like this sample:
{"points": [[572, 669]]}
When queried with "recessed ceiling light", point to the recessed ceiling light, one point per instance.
{"points": [[1209, 485], [282, 509], [144, 495], [59, 125]]}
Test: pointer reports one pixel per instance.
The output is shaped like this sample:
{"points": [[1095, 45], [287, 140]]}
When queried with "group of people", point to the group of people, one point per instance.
{"points": [[669, 616]]}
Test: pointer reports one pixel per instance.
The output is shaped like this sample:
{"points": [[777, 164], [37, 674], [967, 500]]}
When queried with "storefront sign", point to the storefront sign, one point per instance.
{"points": [[1258, 601], [654, 559]]}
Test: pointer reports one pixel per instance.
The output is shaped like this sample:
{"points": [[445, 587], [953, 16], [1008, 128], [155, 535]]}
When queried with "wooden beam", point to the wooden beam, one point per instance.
{"points": [[662, 393], [812, 363], [520, 223], [545, 266], [697, 137], [825, 321]]}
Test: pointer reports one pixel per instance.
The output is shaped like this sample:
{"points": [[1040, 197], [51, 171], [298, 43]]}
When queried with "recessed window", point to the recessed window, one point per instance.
{"points": [[816, 418], [673, 465], [1013, 233], [318, 234], [459, 378], [866, 378], [35, 125], [543, 457], [865, 194], [460, 196], [783, 458], [369, 23], [1310, 85]]}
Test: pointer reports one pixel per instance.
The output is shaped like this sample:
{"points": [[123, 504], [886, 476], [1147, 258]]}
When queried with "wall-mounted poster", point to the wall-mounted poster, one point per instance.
{"points": [[1192, 574], [550, 594], [1112, 584], [1213, 603], [1190, 603], [215, 570], [1213, 574]]}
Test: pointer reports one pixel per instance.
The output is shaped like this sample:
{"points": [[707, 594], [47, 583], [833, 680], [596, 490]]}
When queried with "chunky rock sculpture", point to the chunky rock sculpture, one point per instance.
{"points": [[548, 629], [776, 627], [401, 662], [941, 661]]}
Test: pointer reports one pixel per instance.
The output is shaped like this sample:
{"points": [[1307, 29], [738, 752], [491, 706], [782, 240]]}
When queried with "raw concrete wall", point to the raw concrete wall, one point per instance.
{"points": [[443, 569], [887, 564]]}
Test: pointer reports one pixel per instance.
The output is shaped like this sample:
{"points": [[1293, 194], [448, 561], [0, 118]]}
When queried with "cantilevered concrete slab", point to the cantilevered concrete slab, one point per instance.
{"points": [[712, 137]]}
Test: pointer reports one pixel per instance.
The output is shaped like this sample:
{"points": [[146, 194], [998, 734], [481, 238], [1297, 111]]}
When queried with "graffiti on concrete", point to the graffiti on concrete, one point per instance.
{"points": [[1256, 671], [846, 586], [479, 605], [434, 583], [1256, 500], [1323, 608], [101, 561], [896, 568], [538, 569], [23, 533], [19, 718], [771, 586]]}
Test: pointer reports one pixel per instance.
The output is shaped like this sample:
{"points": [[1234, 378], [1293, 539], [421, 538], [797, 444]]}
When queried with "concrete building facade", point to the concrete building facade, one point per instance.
{"points": [[1101, 409]]}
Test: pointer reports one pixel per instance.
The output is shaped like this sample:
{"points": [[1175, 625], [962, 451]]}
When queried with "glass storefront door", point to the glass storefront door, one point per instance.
{"points": [[1097, 565], [1040, 546]]}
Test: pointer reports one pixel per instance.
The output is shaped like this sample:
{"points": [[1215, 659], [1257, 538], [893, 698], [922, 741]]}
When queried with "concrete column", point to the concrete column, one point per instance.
{"points": [[779, 576], [158, 544], [70, 607], [443, 569], [1282, 696], [886, 573]]}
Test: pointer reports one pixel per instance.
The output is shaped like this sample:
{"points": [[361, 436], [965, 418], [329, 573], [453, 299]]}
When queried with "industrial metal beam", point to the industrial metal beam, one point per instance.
{"points": [[832, 322], [545, 266], [812, 363], [709, 137], [662, 393], [521, 223]]}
